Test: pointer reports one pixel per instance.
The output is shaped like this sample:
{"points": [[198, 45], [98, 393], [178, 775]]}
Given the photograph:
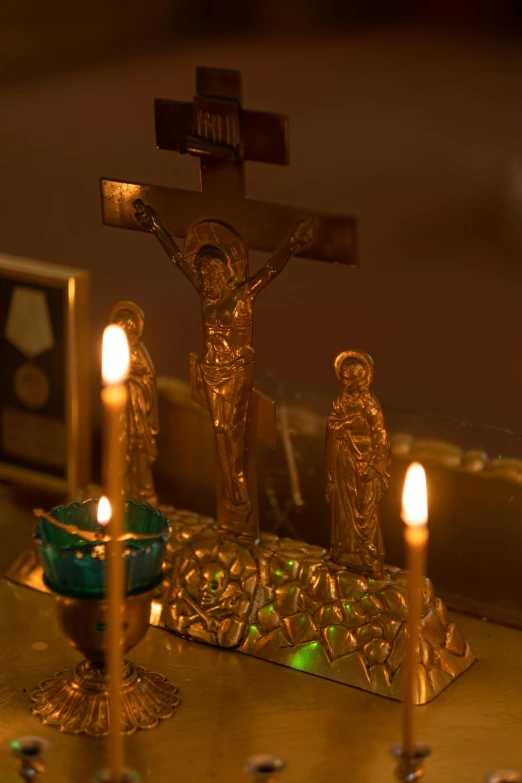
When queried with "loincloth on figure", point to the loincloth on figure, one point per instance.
{"points": [[232, 381]]}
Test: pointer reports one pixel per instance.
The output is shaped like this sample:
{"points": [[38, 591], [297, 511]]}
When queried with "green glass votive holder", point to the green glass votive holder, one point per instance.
{"points": [[76, 566], [72, 545]]}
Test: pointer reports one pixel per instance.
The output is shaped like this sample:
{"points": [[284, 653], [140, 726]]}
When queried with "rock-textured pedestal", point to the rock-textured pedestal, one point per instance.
{"points": [[287, 602]]}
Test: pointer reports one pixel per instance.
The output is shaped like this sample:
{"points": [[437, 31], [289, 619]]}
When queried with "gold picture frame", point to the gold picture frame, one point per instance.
{"points": [[45, 391]]}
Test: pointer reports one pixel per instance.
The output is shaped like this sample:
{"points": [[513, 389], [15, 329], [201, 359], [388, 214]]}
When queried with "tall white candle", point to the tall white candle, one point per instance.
{"points": [[415, 518], [115, 366]]}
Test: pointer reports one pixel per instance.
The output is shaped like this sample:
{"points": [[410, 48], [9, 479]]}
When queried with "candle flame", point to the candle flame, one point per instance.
{"points": [[104, 510], [115, 355], [415, 496]]}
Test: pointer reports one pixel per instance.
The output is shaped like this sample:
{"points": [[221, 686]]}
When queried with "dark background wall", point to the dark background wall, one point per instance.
{"points": [[406, 114]]}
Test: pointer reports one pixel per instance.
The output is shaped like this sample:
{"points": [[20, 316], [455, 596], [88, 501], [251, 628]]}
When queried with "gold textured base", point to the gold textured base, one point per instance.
{"points": [[77, 700], [288, 602]]}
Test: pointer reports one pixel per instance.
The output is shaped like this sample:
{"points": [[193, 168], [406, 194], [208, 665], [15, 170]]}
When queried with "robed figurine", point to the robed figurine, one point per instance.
{"points": [[141, 420], [357, 466]]}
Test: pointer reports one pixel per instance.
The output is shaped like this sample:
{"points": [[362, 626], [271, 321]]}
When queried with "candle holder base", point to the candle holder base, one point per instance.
{"points": [[410, 768], [129, 776], [77, 700], [264, 768]]}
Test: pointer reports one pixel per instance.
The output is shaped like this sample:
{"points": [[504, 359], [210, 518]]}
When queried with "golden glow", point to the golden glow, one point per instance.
{"points": [[155, 612], [104, 510], [115, 355], [415, 496]]}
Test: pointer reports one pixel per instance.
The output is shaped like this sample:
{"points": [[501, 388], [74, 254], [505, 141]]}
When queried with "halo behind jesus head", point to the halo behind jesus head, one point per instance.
{"points": [[129, 310], [361, 356], [215, 234]]}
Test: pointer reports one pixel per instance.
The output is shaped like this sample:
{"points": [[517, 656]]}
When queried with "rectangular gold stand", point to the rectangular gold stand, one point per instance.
{"points": [[287, 602]]}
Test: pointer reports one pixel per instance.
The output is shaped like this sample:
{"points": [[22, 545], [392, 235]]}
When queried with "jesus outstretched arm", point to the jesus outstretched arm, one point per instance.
{"points": [[148, 218], [301, 236]]}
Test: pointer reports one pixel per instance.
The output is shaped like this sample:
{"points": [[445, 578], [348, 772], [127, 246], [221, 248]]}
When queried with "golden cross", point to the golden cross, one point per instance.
{"points": [[223, 135], [216, 129]]}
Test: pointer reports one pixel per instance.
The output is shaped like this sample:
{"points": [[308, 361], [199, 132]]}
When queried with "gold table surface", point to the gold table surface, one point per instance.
{"points": [[234, 706]]}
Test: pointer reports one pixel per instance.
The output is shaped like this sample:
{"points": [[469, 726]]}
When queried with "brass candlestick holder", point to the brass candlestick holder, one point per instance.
{"points": [[410, 768], [30, 753], [72, 547], [264, 768]]}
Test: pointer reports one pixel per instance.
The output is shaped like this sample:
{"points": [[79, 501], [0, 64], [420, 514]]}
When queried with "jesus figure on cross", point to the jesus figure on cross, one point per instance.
{"points": [[217, 267]]}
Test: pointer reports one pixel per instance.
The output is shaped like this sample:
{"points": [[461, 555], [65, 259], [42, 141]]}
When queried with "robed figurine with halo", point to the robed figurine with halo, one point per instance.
{"points": [[357, 466]]}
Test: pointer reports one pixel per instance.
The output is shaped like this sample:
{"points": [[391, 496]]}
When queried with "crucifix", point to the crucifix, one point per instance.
{"points": [[219, 225]]}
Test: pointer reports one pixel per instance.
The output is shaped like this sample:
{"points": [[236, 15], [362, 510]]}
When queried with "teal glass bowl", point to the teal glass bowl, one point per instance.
{"points": [[78, 568]]}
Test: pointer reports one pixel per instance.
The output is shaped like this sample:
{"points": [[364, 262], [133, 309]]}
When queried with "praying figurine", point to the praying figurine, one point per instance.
{"points": [[142, 425], [357, 466], [215, 261]]}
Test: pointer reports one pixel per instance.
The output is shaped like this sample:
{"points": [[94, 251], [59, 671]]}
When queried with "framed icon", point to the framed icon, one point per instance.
{"points": [[45, 417]]}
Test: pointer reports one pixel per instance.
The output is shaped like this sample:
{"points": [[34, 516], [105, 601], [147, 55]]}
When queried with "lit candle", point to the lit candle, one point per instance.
{"points": [[115, 365], [415, 517], [104, 511]]}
